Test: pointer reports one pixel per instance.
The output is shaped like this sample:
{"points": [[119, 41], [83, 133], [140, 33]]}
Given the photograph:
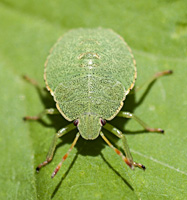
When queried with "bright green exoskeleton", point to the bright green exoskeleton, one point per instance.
{"points": [[89, 72]]}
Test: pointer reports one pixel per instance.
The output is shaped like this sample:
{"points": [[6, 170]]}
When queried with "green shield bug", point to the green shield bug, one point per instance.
{"points": [[89, 72]]}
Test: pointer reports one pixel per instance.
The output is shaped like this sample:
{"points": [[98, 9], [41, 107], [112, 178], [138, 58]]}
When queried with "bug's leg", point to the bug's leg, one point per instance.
{"points": [[65, 156], [143, 124], [49, 111], [128, 158], [50, 154], [153, 78]]}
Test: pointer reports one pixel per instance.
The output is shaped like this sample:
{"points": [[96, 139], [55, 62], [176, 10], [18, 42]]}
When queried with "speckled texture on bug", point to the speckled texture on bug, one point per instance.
{"points": [[90, 71]]}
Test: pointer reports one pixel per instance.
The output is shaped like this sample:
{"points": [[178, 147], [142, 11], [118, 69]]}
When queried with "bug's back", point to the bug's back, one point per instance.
{"points": [[90, 71]]}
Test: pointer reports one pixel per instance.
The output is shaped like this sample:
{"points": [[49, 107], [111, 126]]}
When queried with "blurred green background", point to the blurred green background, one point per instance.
{"points": [[157, 33]]}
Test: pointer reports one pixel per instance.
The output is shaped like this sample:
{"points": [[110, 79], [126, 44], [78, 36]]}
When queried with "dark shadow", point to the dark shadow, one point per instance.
{"points": [[117, 173], [84, 147], [145, 94], [90, 147]]}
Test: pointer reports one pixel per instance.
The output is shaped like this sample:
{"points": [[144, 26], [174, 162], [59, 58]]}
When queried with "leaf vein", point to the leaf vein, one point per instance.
{"points": [[159, 162]]}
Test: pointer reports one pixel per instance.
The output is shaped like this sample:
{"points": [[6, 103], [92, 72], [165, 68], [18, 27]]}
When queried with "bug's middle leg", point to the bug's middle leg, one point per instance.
{"points": [[49, 111], [143, 124], [128, 157], [52, 148]]}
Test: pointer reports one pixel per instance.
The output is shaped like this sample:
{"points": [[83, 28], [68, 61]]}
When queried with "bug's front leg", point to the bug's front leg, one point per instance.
{"points": [[128, 157], [49, 111], [52, 148], [143, 124]]}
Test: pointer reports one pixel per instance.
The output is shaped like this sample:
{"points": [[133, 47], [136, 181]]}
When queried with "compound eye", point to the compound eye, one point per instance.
{"points": [[103, 122], [76, 122]]}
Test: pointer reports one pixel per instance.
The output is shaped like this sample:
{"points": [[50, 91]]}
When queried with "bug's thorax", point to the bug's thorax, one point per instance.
{"points": [[89, 126]]}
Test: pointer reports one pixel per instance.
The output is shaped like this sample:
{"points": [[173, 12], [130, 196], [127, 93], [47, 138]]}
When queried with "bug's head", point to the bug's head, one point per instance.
{"points": [[89, 126]]}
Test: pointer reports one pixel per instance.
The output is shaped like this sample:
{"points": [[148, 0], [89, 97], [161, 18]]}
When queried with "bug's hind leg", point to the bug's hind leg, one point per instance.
{"points": [[65, 156], [52, 148], [34, 83], [143, 124], [128, 158], [49, 111], [152, 79]]}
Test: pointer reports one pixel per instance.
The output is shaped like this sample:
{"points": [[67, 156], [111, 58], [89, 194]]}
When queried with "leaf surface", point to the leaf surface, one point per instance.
{"points": [[157, 33]]}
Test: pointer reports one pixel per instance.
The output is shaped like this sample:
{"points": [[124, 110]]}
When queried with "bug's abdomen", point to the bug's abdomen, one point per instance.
{"points": [[89, 94], [90, 71]]}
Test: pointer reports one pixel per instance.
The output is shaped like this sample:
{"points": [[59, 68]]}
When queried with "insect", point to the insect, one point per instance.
{"points": [[89, 73]]}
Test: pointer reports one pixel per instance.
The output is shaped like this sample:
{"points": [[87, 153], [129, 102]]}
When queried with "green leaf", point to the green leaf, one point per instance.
{"points": [[157, 33]]}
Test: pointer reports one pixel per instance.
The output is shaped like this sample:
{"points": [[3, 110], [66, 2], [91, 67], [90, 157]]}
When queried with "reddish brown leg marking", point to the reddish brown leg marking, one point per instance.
{"points": [[31, 118], [65, 156], [42, 164]]}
